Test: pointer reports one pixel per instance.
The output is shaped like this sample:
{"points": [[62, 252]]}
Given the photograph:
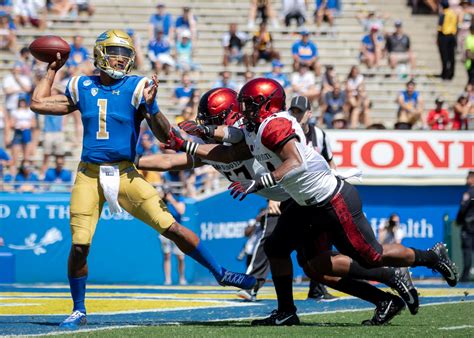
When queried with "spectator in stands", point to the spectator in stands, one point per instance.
{"points": [[15, 85], [187, 114], [84, 6], [398, 48], [248, 75], [137, 43], [391, 232], [411, 105], [183, 93], [339, 121], [263, 45], [447, 30], [30, 11], [4, 161], [465, 19], [147, 146], [359, 107], [370, 19], [277, 74], [334, 102], [262, 9], [305, 52], [26, 180], [78, 59], [372, 47], [7, 34], [184, 53], [424, 6], [58, 174], [177, 208], [354, 80], [294, 10], [53, 139], [303, 83], [23, 120], [225, 81], [186, 22], [462, 109], [326, 10], [328, 80], [159, 53], [61, 7], [161, 21], [25, 61], [438, 118], [233, 42], [469, 55]]}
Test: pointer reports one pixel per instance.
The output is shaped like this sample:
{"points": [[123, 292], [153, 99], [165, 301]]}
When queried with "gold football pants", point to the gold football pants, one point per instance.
{"points": [[138, 197]]}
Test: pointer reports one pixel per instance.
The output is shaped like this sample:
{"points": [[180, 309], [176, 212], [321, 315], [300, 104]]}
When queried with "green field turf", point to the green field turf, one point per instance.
{"points": [[448, 320]]}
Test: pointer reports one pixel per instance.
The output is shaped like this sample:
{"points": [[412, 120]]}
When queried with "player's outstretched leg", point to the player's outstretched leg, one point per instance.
{"points": [[435, 258], [343, 266], [188, 242], [77, 270]]}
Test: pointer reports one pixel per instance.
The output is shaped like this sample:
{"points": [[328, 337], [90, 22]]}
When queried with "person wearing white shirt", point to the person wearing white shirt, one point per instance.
{"points": [[303, 83], [14, 85]]}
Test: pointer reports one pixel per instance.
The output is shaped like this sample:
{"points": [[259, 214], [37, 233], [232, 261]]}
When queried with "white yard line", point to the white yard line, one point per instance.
{"points": [[456, 327]]}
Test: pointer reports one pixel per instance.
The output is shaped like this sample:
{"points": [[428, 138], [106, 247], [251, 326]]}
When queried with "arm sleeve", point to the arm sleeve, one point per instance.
{"points": [[138, 98], [72, 89], [277, 133]]}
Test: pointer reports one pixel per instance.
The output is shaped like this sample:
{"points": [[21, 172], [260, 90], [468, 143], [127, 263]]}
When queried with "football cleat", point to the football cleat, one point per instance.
{"points": [[278, 318], [237, 279], [402, 283], [319, 292], [385, 311], [445, 265], [249, 296], [74, 321]]}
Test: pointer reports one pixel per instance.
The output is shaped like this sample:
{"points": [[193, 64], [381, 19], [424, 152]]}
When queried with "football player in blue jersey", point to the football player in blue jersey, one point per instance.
{"points": [[112, 106]]}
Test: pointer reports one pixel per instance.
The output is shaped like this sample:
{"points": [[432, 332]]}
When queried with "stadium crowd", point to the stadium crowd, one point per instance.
{"points": [[340, 100]]}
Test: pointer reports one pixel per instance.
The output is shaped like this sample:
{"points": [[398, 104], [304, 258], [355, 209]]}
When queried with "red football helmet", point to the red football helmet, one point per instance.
{"points": [[260, 98], [216, 105]]}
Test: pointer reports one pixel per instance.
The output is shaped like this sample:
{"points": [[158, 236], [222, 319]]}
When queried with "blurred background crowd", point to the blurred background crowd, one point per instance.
{"points": [[291, 41]]}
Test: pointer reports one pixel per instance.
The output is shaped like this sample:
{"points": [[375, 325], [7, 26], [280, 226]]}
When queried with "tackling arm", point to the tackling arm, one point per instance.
{"points": [[167, 162]]}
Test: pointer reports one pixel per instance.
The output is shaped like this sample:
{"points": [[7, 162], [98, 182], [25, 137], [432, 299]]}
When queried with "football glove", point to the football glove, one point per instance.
{"points": [[177, 143], [192, 128], [244, 188]]}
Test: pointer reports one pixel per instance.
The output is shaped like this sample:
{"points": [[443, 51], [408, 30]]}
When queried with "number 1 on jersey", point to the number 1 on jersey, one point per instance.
{"points": [[102, 133]]}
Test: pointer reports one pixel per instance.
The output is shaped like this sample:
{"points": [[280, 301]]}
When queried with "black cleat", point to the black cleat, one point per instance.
{"points": [[278, 318], [402, 283], [385, 311], [445, 265], [319, 292]]}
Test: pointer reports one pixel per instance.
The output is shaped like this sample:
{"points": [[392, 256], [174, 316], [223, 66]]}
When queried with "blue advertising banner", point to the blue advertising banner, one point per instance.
{"points": [[35, 229]]}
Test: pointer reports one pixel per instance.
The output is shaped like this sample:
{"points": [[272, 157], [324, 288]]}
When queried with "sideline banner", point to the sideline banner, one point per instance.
{"points": [[35, 228], [403, 154]]}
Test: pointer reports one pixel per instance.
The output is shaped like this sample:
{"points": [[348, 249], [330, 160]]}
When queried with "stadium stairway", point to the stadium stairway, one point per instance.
{"points": [[339, 48]]}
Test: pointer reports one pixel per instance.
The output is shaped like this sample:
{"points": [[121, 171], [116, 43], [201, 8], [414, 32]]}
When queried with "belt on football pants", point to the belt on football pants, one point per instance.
{"points": [[94, 168]]}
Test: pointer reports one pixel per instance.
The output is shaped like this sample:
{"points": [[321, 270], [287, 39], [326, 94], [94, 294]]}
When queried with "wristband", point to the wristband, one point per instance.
{"points": [[267, 180], [190, 147]]}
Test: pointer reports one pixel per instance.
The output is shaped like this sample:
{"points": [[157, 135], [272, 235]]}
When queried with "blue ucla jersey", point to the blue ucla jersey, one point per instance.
{"points": [[109, 115]]}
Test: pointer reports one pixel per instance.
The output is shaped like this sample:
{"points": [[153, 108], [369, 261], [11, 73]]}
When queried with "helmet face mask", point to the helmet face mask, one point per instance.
{"points": [[114, 53], [216, 106]]}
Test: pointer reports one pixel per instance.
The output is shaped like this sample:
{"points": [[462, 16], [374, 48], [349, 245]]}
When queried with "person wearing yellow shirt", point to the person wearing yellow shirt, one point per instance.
{"points": [[469, 53], [447, 29]]}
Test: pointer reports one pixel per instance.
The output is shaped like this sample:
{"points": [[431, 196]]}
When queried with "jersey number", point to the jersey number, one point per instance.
{"points": [[236, 172], [102, 133]]}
